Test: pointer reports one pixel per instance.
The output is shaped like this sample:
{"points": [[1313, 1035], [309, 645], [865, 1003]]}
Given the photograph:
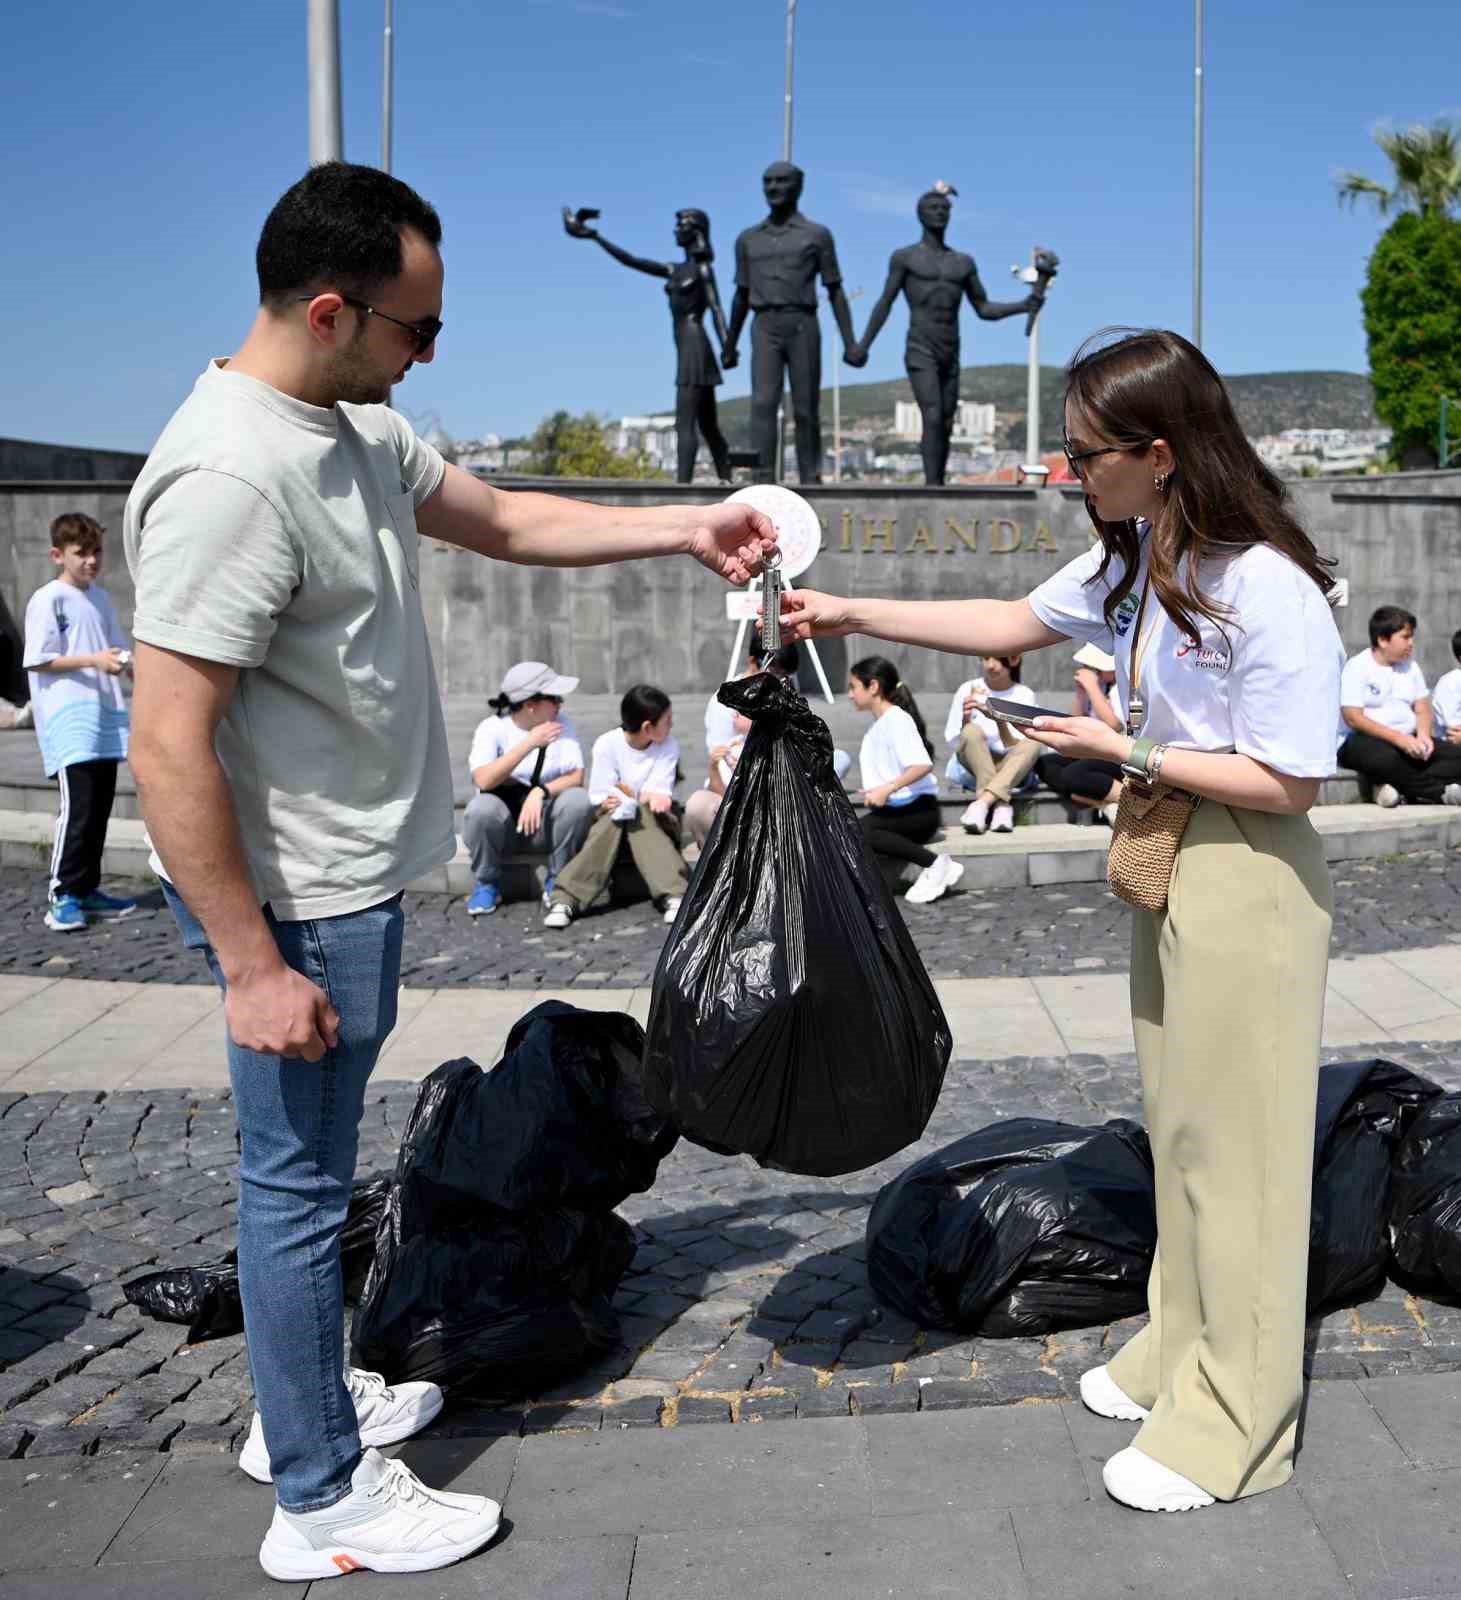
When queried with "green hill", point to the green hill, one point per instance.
{"points": [[1267, 402]]}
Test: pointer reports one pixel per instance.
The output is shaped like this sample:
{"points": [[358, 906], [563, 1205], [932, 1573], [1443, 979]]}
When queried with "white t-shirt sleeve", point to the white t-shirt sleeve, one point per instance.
{"points": [[604, 773], [1284, 683], [907, 748], [1070, 604], [422, 466], [565, 755], [954, 722], [1447, 699], [214, 568], [661, 776], [42, 634], [486, 743], [720, 724], [1352, 681]]}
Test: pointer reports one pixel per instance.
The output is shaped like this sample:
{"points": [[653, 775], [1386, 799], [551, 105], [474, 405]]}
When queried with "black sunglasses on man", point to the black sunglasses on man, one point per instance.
{"points": [[425, 332]]}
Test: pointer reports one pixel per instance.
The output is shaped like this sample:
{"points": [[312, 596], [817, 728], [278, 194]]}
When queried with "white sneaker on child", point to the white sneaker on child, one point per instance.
{"points": [[672, 907], [976, 816], [389, 1522], [929, 884], [1387, 795], [1451, 795], [560, 914], [1004, 819], [385, 1414], [952, 871]]}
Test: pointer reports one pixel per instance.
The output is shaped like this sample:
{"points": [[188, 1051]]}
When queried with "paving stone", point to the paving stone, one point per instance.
{"points": [[691, 1409], [237, 1579], [1395, 1536], [883, 1399], [829, 1402], [75, 1441], [1423, 1412], [206, 1438], [643, 1412]]}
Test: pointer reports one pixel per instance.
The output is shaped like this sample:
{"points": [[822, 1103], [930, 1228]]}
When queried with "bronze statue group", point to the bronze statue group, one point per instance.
{"points": [[778, 263]]}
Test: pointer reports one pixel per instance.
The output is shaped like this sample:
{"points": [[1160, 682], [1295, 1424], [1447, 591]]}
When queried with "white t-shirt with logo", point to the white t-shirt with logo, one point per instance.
{"points": [[889, 748], [1386, 694], [80, 716], [495, 736], [1269, 690], [954, 725], [616, 761], [1446, 701]]}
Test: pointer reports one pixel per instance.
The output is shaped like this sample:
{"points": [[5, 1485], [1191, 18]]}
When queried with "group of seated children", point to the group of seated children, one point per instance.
{"points": [[1394, 733]]}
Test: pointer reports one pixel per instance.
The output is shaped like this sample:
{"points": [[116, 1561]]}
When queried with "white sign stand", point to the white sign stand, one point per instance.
{"points": [[799, 538]]}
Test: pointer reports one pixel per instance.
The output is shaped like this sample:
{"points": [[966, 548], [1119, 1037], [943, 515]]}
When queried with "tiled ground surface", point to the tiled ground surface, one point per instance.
{"points": [[748, 1299]]}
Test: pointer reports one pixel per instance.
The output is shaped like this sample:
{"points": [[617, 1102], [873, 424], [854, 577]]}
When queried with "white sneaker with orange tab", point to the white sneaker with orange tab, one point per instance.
{"points": [[389, 1522], [385, 1413]]}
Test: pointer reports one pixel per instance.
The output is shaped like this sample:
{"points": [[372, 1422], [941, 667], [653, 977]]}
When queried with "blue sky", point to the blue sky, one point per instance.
{"points": [[147, 142]]}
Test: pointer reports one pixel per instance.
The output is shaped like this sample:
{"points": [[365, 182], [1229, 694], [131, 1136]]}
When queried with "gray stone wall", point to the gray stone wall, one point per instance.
{"points": [[1397, 538]]}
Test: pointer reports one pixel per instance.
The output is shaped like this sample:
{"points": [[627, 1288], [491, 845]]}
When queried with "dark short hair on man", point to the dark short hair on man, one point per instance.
{"points": [[1456, 644], [643, 703], [74, 530], [1385, 620], [339, 227]]}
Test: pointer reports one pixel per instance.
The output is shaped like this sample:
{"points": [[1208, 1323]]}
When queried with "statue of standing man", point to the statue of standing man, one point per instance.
{"points": [[777, 266], [935, 279]]}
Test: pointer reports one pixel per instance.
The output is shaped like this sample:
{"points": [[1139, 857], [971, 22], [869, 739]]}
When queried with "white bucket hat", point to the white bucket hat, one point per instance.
{"points": [[1093, 656]]}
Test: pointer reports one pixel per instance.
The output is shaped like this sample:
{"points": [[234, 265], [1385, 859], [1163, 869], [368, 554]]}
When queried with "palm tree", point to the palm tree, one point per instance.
{"points": [[1427, 166]]}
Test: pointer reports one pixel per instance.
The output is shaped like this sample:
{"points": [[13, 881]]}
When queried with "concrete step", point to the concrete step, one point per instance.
{"points": [[1045, 854]]}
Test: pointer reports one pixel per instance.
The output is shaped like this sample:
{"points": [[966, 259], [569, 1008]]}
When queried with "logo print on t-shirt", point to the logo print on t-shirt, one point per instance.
{"points": [[1124, 613], [1200, 656], [58, 607]]}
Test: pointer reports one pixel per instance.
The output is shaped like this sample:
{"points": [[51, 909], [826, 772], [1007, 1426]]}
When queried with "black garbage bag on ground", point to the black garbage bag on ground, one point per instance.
{"points": [[206, 1297], [1365, 1108], [1025, 1227], [1425, 1201], [499, 1254], [792, 1017]]}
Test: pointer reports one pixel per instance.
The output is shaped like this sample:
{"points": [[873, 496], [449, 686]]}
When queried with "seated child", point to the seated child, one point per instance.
{"points": [[1083, 784], [631, 781], [990, 756]]}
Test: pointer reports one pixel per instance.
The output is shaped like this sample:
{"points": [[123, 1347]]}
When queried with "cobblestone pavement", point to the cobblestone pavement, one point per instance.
{"points": [[1395, 903], [747, 1299]]}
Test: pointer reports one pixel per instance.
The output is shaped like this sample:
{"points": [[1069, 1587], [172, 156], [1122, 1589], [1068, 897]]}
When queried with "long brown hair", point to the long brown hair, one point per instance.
{"points": [[881, 671], [1138, 385]]}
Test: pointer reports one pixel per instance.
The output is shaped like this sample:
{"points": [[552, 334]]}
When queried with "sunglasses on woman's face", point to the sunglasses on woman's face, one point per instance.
{"points": [[1075, 457]]}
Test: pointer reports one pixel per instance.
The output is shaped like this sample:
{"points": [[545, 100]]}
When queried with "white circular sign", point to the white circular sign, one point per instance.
{"points": [[798, 530]]}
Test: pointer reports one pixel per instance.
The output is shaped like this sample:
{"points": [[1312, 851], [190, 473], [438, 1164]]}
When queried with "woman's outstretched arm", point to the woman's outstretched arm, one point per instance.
{"points": [[963, 627]]}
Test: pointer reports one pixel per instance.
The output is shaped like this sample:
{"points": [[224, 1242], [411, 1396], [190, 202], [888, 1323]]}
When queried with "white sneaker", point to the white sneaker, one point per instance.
{"points": [[1133, 1478], [672, 907], [976, 816], [1109, 813], [928, 885], [1451, 795], [1387, 795], [560, 914], [389, 1522], [1102, 1394], [385, 1415], [1004, 819], [26, 716], [952, 871]]}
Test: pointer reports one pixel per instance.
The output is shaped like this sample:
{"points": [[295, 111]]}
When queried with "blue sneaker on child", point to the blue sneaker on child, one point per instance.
{"points": [[107, 906], [484, 901], [64, 915]]}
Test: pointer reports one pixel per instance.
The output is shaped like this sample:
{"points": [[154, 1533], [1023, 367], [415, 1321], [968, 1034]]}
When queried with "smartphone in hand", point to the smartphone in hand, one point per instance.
{"points": [[1016, 712]]}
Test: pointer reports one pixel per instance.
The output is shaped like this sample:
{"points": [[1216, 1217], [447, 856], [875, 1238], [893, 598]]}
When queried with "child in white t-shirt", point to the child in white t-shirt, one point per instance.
{"points": [[1388, 729], [632, 779], [1447, 698], [990, 756], [901, 793], [75, 653], [526, 766]]}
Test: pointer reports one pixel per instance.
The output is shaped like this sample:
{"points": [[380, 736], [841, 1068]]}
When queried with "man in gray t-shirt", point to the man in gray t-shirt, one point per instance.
{"points": [[291, 759]]}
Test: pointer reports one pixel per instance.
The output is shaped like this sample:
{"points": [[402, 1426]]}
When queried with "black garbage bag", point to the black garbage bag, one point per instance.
{"points": [[1425, 1201], [206, 1297], [792, 1017], [499, 1255], [1025, 1227], [1364, 1111]]}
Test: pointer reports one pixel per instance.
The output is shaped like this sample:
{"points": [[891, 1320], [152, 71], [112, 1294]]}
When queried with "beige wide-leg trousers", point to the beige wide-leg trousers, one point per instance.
{"points": [[1227, 1002]]}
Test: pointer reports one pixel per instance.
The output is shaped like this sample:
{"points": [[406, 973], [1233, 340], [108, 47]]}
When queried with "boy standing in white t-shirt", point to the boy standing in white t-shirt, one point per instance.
{"points": [[1390, 720], [632, 782], [1447, 698], [75, 653]]}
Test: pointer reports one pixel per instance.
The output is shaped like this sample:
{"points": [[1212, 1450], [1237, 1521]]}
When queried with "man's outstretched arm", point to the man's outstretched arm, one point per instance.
{"points": [[548, 530]]}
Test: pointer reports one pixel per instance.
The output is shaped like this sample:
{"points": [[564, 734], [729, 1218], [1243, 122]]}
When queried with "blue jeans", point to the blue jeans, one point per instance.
{"points": [[299, 1132]]}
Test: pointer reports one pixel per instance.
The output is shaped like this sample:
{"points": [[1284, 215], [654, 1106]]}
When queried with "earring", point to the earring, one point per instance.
{"points": [[1161, 480]]}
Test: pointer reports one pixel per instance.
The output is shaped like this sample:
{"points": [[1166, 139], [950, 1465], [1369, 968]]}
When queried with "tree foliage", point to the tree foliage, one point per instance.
{"points": [[1426, 164], [1413, 323], [566, 446]]}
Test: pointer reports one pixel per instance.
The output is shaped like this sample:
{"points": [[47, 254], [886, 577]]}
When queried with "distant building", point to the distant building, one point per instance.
{"points": [[656, 436], [973, 422]]}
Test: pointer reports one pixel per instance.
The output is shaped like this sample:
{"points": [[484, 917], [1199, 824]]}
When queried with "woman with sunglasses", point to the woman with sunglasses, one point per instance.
{"points": [[1215, 604], [690, 285]]}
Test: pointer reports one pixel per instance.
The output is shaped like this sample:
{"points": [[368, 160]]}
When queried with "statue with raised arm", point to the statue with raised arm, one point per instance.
{"points": [[934, 280], [690, 285], [777, 266]]}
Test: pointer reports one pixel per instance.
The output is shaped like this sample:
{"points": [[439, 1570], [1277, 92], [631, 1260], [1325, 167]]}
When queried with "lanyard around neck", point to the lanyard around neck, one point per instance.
{"points": [[1135, 705]]}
